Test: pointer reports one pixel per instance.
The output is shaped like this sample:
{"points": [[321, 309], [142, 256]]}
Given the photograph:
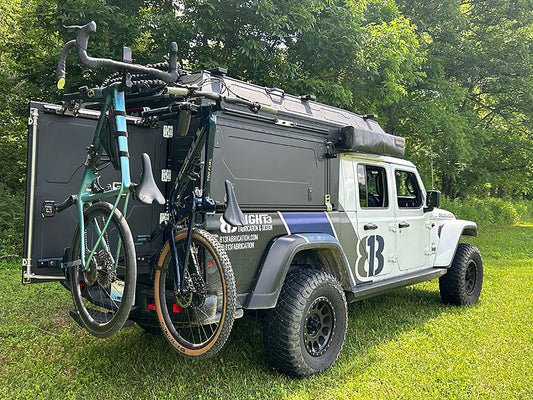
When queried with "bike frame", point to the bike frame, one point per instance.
{"points": [[205, 140], [86, 195]]}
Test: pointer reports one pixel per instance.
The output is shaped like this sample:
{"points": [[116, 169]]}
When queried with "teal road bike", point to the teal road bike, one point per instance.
{"points": [[102, 269]]}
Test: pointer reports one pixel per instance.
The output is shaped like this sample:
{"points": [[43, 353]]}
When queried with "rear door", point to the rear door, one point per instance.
{"points": [[57, 148], [376, 249]]}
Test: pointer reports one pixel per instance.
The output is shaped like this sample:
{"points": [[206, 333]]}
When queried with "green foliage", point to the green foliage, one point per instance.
{"points": [[12, 112], [11, 221], [472, 114], [453, 77], [489, 211]]}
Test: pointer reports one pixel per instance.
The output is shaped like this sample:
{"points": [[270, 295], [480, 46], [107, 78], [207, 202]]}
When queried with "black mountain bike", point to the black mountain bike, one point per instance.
{"points": [[194, 283], [194, 286]]}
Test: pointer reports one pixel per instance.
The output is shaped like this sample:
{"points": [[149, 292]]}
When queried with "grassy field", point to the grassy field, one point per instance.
{"points": [[405, 344]]}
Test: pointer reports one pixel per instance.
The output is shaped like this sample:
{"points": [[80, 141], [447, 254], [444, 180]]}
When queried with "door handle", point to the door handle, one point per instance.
{"points": [[403, 225], [370, 227]]}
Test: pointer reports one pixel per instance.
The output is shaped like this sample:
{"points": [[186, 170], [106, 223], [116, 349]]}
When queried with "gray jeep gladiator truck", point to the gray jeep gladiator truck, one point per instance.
{"points": [[333, 213]]}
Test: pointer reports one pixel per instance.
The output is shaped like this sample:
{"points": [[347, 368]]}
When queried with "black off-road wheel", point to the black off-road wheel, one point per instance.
{"points": [[305, 333], [462, 283]]}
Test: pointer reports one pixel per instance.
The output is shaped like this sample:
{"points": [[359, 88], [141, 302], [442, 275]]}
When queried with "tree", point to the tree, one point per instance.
{"points": [[472, 112], [454, 77]]}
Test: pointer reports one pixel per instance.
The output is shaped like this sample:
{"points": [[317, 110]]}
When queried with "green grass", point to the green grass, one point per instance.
{"points": [[405, 344]]}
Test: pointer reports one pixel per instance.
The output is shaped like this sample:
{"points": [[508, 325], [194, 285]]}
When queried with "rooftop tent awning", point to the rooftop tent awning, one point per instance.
{"points": [[361, 140]]}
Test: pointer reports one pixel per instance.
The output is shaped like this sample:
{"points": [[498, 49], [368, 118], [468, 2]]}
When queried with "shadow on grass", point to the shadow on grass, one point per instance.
{"points": [[382, 318], [136, 354]]}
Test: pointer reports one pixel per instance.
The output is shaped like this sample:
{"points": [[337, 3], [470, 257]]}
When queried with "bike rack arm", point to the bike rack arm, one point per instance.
{"points": [[253, 106]]}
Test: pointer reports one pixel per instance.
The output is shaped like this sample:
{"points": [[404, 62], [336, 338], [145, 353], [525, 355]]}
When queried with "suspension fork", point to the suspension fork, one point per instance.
{"points": [[179, 268], [198, 199]]}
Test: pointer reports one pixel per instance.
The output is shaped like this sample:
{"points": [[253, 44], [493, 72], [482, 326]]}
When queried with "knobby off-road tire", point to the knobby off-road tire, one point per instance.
{"points": [[462, 283], [198, 329], [104, 294], [305, 333]]}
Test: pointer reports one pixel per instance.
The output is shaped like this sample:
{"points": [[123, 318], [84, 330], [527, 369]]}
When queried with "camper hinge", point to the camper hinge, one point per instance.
{"points": [[26, 265], [327, 202], [283, 122], [329, 151], [34, 116]]}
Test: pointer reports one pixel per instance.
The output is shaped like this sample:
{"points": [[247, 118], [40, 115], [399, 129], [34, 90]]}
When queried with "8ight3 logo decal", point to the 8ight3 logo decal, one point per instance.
{"points": [[370, 260]]}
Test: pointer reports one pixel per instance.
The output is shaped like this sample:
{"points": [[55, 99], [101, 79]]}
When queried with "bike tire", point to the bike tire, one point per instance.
{"points": [[197, 330], [104, 293]]}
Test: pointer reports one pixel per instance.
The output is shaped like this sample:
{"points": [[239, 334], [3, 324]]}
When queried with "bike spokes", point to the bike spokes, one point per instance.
{"points": [[104, 290]]}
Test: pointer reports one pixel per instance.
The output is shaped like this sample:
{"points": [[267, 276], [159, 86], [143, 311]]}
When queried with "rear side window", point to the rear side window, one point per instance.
{"points": [[372, 183], [407, 190]]}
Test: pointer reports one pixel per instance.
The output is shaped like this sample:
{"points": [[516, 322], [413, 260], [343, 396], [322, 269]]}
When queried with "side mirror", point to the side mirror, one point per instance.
{"points": [[432, 200]]}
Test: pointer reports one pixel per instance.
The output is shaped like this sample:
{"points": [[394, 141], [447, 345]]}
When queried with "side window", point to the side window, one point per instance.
{"points": [[407, 190], [372, 183]]}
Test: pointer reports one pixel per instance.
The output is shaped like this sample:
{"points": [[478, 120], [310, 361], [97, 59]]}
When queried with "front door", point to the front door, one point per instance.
{"points": [[412, 230]]}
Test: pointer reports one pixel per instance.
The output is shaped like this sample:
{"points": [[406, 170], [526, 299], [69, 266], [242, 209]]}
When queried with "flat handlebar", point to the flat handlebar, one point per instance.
{"points": [[92, 62]]}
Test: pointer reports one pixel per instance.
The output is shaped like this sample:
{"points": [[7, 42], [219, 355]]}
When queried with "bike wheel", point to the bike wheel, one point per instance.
{"points": [[104, 293], [196, 323]]}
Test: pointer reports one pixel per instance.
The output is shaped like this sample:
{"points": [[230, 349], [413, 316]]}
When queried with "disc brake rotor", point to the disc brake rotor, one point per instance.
{"points": [[89, 275], [106, 272], [195, 294], [200, 290]]}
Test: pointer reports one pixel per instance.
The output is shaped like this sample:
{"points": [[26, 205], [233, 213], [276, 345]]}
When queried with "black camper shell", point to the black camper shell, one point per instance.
{"points": [[286, 162]]}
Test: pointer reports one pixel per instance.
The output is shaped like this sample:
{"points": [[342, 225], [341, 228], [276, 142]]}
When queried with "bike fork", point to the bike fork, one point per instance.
{"points": [[179, 268], [177, 271]]}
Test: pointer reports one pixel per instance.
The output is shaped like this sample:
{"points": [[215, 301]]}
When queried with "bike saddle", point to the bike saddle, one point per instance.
{"points": [[233, 214], [147, 191]]}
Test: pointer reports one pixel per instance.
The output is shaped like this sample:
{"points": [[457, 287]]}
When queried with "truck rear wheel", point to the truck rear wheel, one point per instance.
{"points": [[461, 285], [305, 333]]}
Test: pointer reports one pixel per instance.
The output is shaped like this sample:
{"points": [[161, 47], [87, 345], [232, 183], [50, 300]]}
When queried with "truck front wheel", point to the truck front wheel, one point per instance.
{"points": [[461, 285], [305, 333]]}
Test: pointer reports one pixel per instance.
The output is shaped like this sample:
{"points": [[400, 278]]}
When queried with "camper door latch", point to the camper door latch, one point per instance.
{"points": [[168, 131], [166, 175], [48, 208]]}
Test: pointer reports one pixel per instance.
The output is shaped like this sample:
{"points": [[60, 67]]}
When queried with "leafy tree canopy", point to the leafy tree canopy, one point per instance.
{"points": [[454, 77]]}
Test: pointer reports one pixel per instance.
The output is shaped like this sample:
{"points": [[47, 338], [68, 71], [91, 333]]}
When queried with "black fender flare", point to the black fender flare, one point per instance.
{"points": [[266, 286]]}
